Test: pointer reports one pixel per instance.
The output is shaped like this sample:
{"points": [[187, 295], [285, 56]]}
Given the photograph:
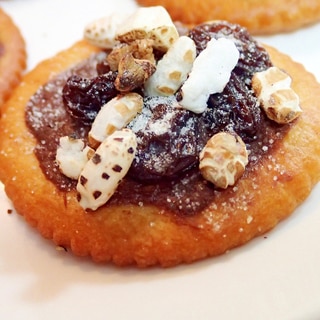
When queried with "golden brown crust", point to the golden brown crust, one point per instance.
{"points": [[259, 17], [12, 56], [141, 235]]}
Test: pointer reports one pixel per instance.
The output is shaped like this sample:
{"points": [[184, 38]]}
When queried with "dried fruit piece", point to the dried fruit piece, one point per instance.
{"points": [[170, 139], [235, 109], [253, 56], [84, 97]]}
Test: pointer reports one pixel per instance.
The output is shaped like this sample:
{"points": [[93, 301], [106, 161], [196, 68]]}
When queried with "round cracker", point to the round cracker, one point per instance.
{"points": [[143, 235], [12, 56], [259, 17]]}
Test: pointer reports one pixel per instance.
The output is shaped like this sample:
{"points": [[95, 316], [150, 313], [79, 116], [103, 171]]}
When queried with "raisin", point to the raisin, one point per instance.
{"points": [[253, 57], [84, 97], [170, 139], [236, 109], [103, 67]]}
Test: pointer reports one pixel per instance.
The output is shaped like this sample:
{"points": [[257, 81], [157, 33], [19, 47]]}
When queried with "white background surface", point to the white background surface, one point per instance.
{"points": [[273, 277]]}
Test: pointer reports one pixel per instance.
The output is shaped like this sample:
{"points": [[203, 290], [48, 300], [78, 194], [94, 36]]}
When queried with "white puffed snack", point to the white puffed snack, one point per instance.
{"points": [[149, 23], [101, 175], [277, 98], [173, 69], [114, 115], [210, 73], [72, 155], [102, 32], [223, 159]]}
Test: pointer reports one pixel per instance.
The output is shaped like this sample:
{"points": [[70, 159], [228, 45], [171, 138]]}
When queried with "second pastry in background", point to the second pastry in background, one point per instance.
{"points": [[259, 17]]}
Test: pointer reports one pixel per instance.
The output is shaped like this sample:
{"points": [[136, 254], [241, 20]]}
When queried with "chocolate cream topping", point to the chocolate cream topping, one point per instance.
{"points": [[165, 171]]}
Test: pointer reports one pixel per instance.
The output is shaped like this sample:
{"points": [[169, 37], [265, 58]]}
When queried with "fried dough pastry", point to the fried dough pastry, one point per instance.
{"points": [[144, 234], [12, 56], [259, 17]]}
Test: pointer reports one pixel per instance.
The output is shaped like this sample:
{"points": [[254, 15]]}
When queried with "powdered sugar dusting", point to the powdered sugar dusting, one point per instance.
{"points": [[159, 126]]}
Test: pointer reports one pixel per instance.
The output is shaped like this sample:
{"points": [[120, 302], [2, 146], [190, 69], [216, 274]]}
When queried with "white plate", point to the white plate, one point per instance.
{"points": [[273, 277]]}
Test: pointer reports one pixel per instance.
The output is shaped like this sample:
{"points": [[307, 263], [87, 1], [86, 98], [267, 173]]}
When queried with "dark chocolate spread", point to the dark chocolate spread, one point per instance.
{"points": [[165, 171]]}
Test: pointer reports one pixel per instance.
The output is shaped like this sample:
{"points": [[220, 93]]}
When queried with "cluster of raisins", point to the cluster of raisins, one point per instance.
{"points": [[175, 150], [253, 57], [170, 139], [84, 97], [236, 109]]}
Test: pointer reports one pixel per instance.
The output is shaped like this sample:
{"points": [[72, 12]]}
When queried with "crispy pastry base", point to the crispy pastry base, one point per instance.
{"points": [[142, 235], [13, 61], [259, 17]]}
